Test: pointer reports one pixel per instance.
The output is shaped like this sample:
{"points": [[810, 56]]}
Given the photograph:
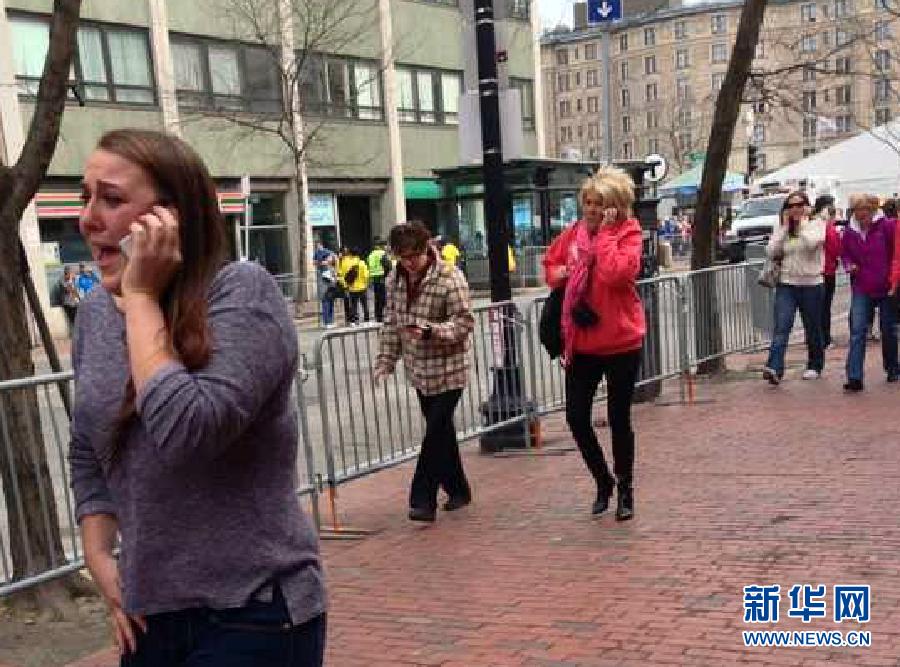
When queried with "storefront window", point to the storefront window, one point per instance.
{"points": [[267, 238], [563, 210], [472, 231]]}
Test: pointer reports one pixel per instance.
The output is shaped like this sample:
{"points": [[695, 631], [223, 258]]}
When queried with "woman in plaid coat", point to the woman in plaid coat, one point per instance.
{"points": [[428, 321]]}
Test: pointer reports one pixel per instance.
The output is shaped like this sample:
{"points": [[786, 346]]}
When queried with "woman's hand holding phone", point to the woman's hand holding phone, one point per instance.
{"points": [[153, 253]]}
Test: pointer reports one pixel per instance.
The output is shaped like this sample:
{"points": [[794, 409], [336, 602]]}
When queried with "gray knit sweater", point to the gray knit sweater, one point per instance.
{"points": [[203, 486]]}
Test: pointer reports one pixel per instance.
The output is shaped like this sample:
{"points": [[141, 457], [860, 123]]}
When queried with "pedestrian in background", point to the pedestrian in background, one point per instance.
{"points": [[184, 435], [326, 282], [379, 265], [598, 260], [86, 280], [353, 276], [428, 321], [69, 297], [867, 254], [798, 245], [824, 210]]}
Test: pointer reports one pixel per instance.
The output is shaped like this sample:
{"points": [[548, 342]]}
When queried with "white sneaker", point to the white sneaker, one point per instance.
{"points": [[810, 374]]}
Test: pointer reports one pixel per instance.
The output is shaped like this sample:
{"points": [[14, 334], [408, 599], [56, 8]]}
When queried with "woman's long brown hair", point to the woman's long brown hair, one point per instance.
{"points": [[182, 181]]}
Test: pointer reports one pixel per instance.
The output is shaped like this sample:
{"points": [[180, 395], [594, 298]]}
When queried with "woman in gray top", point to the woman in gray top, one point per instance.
{"points": [[184, 436]]}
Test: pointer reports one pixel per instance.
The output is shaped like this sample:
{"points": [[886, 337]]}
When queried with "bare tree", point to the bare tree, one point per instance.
{"points": [[301, 118], [35, 542]]}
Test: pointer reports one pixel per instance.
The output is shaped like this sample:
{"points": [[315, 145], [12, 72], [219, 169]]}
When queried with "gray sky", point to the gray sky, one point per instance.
{"points": [[554, 12]]}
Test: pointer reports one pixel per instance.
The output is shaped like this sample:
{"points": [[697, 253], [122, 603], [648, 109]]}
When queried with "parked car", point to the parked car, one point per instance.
{"points": [[753, 224]]}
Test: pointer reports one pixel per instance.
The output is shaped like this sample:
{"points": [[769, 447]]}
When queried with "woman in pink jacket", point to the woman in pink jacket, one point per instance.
{"points": [[598, 259]]}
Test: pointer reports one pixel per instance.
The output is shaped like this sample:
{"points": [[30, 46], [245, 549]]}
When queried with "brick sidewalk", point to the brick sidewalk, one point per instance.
{"points": [[751, 485]]}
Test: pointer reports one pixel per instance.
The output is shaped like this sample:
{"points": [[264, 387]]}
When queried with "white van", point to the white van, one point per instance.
{"points": [[754, 223]]}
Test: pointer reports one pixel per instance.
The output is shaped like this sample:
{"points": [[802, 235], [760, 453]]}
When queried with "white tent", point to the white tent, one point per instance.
{"points": [[868, 162]]}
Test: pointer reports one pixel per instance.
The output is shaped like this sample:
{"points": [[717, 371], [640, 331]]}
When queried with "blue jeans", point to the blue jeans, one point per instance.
{"points": [[788, 300], [256, 634], [327, 311], [862, 308]]}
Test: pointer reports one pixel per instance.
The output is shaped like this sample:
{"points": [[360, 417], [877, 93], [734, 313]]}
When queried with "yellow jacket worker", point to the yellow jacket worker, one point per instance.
{"points": [[353, 276]]}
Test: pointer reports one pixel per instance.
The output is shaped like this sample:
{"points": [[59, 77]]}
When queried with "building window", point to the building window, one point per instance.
{"points": [[683, 119], [580, 131], [809, 151], [578, 79], [626, 98], [592, 78], [717, 80], [883, 60], [680, 29], [810, 126], [682, 59], [842, 65], [626, 150], [882, 4], [565, 108], [882, 116], [526, 95], [843, 94], [652, 120], [578, 105], [563, 82], [882, 31], [761, 162], [562, 57], [653, 145], [593, 105], [719, 24], [808, 12], [652, 92], [428, 96], [649, 64], [882, 91], [517, 9], [576, 53], [841, 9], [809, 73], [111, 64], [649, 36], [759, 134], [719, 53], [349, 88], [590, 52], [623, 42], [683, 89], [760, 50], [809, 100], [841, 37], [626, 124], [592, 131], [808, 43], [843, 123], [623, 70]]}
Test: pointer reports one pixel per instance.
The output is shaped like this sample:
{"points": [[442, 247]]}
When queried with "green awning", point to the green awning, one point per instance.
{"points": [[421, 188]]}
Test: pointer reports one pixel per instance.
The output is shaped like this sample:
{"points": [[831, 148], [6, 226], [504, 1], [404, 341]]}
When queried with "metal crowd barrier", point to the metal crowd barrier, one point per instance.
{"points": [[351, 426], [39, 537]]}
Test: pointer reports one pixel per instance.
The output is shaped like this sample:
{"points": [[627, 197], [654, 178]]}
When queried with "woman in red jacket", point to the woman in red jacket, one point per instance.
{"points": [[597, 259]]}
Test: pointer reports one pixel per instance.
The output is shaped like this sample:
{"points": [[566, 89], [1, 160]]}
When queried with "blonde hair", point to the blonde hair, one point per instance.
{"points": [[863, 199], [613, 186]]}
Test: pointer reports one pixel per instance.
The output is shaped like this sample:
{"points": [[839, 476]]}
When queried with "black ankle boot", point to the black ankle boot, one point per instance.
{"points": [[604, 493], [625, 503]]}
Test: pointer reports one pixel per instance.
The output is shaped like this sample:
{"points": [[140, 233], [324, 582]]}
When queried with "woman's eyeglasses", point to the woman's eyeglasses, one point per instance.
{"points": [[794, 204]]}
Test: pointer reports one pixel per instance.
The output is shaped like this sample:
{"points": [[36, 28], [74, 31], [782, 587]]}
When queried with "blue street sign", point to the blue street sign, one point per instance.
{"points": [[603, 11]]}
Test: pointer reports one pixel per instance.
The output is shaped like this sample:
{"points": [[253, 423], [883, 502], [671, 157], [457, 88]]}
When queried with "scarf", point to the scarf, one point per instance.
{"points": [[581, 260]]}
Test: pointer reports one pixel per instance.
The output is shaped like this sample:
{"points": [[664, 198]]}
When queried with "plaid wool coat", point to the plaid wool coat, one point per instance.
{"points": [[441, 362]]}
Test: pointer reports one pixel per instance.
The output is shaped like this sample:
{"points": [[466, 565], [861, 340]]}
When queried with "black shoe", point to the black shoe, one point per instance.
{"points": [[853, 386], [625, 504], [422, 514], [457, 502], [893, 377], [604, 493]]}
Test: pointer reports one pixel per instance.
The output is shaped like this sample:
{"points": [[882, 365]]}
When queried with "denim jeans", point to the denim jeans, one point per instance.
{"points": [[788, 300], [327, 311], [259, 633], [862, 308]]}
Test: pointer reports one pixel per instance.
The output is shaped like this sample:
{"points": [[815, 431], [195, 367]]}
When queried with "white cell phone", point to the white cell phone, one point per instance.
{"points": [[125, 246]]}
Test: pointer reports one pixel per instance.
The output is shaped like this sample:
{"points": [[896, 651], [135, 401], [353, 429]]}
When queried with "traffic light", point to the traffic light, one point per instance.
{"points": [[752, 159]]}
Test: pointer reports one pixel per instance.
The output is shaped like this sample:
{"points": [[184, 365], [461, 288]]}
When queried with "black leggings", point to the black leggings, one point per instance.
{"points": [[582, 377]]}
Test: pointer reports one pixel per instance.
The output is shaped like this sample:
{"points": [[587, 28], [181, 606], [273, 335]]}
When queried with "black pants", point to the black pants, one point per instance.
{"points": [[379, 291], [71, 312], [827, 299], [582, 377], [359, 300], [439, 463]]}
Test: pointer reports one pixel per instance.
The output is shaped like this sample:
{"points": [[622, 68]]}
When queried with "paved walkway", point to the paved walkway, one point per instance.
{"points": [[750, 485]]}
